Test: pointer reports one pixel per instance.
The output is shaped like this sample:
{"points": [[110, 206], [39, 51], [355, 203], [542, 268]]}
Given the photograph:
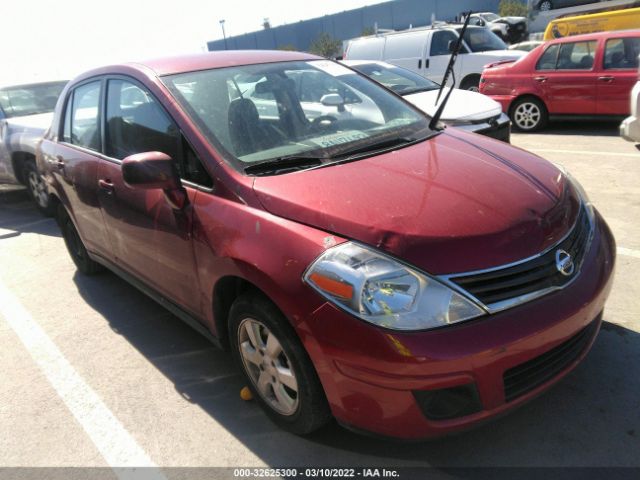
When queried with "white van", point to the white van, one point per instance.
{"points": [[426, 51]]}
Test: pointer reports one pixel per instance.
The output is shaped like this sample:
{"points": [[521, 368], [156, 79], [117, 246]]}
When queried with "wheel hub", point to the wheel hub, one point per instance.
{"points": [[268, 366]]}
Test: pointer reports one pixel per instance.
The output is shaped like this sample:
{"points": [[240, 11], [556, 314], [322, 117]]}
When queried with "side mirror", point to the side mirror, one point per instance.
{"points": [[154, 170], [333, 100]]}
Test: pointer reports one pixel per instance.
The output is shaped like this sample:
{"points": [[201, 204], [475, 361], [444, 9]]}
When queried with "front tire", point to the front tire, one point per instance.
{"points": [[74, 244], [37, 188], [471, 83], [529, 114], [277, 368]]}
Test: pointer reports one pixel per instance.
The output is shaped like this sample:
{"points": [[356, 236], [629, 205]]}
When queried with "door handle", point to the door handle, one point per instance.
{"points": [[59, 162], [606, 78], [106, 185], [540, 79]]}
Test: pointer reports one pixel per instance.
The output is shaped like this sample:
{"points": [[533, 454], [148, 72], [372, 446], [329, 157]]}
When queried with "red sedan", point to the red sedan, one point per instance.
{"points": [[407, 281], [583, 75]]}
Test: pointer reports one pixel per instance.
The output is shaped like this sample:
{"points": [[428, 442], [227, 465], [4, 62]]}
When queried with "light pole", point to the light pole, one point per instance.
{"points": [[224, 35]]}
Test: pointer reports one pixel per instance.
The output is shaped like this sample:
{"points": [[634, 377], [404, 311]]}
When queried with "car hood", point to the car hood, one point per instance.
{"points": [[457, 202], [511, 20], [497, 55], [463, 105], [40, 122]]}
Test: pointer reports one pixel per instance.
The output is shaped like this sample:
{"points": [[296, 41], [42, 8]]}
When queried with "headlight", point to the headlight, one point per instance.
{"points": [[382, 291]]}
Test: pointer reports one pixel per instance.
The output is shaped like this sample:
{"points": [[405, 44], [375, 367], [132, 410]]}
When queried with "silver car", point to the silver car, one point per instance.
{"points": [[26, 112]]}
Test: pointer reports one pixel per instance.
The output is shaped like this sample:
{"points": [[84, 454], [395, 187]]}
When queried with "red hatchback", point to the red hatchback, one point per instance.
{"points": [[407, 281], [584, 75]]}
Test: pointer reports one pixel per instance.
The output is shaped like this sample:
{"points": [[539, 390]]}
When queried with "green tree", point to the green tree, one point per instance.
{"points": [[512, 8], [366, 31], [325, 46]]}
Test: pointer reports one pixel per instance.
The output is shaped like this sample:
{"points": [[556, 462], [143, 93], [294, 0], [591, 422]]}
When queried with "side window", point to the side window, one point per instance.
{"points": [[548, 59], [576, 56], [621, 53], [440, 42], [85, 124], [136, 123]]}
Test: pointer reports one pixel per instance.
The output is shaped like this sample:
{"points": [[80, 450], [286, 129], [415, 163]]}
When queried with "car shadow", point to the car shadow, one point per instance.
{"points": [[592, 418], [18, 216]]}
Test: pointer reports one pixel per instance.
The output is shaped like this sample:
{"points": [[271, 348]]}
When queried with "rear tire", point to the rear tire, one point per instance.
{"points": [[37, 188], [471, 83], [276, 366], [529, 114], [74, 244]]}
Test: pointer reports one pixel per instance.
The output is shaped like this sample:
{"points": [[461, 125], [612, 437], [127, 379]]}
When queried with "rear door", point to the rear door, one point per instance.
{"points": [[618, 75], [566, 76], [151, 240], [75, 163], [407, 50]]}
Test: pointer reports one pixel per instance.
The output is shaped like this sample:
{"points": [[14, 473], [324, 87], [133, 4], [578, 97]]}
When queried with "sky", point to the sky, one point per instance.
{"points": [[59, 39]]}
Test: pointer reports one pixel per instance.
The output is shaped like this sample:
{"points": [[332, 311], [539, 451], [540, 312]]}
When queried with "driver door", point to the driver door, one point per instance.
{"points": [[151, 239]]}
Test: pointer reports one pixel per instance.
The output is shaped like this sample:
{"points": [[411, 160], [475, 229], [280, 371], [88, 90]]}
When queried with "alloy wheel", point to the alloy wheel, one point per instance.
{"points": [[268, 366], [527, 116], [38, 189], [545, 6]]}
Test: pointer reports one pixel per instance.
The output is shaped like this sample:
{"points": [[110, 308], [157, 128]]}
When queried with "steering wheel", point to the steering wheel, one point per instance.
{"points": [[323, 122]]}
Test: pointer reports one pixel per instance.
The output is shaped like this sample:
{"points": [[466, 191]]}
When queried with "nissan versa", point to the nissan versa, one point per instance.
{"points": [[408, 281]]}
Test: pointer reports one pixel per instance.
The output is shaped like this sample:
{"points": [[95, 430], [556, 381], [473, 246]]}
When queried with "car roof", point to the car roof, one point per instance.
{"points": [[598, 35], [202, 61]]}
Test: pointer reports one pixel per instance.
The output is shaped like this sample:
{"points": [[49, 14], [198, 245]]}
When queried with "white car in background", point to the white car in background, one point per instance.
{"points": [[470, 111], [630, 127]]}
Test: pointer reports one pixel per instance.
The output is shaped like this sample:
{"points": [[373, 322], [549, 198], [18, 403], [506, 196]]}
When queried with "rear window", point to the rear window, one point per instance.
{"points": [[20, 101], [568, 56], [622, 53]]}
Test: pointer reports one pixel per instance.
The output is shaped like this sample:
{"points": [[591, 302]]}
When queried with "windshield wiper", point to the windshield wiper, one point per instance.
{"points": [[375, 146], [276, 166], [449, 71]]}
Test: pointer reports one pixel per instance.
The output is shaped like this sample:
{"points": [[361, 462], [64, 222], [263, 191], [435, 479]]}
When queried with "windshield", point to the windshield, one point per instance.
{"points": [[490, 17], [482, 39], [400, 80], [23, 100], [319, 109]]}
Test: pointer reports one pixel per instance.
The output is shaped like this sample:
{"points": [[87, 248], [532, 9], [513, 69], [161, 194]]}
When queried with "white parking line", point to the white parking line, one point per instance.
{"points": [[628, 252], [116, 445], [585, 152]]}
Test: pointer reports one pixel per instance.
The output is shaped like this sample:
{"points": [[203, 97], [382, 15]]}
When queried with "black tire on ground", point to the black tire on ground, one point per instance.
{"points": [[74, 244], [472, 82], [310, 410], [37, 188], [528, 114]]}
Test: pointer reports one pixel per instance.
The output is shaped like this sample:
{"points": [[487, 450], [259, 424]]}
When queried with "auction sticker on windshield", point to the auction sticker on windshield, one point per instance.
{"points": [[339, 138]]}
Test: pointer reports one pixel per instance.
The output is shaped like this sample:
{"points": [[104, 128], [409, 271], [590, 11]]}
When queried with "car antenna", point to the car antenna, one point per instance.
{"points": [[449, 71]]}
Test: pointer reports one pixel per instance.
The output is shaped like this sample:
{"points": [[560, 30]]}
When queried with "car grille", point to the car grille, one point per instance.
{"points": [[533, 373], [504, 287]]}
